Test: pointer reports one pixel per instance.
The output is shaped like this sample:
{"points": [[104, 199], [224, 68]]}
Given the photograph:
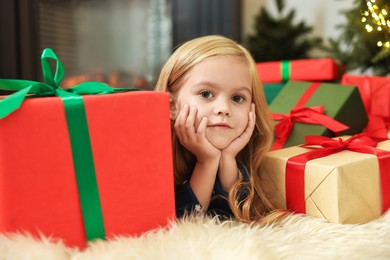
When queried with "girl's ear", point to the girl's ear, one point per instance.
{"points": [[173, 107]]}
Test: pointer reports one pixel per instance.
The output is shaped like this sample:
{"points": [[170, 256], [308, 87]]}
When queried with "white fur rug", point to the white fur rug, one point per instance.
{"points": [[298, 237]]}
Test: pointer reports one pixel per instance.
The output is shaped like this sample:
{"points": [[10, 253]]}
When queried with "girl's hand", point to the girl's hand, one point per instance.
{"points": [[194, 140], [239, 143], [228, 171]]}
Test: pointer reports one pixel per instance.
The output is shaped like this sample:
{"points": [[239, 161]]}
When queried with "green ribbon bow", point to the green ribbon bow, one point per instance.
{"points": [[77, 129]]}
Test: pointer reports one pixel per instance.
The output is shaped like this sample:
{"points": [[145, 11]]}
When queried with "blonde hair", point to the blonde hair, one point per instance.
{"points": [[173, 74]]}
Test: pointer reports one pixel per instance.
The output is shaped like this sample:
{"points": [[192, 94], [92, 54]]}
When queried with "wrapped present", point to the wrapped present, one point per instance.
{"points": [[272, 90], [375, 92], [324, 69], [342, 181], [313, 108], [80, 168]]}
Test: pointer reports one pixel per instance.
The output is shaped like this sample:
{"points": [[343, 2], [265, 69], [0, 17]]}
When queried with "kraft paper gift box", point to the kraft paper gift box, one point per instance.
{"points": [[41, 187], [344, 187], [272, 90], [324, 69], [299, 102], [375, 93]]}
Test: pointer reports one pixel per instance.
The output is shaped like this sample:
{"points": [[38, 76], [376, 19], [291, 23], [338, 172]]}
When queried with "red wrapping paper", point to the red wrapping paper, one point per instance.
{"points": [[131, 145], [324, 69], [375, 93]]}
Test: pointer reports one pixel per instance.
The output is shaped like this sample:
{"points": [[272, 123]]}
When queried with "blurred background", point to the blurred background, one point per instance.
{"points": [[125, 42]]}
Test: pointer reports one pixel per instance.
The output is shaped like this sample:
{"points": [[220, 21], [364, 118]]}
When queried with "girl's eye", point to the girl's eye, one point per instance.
{"points": [[238, 98], [206, 94]]}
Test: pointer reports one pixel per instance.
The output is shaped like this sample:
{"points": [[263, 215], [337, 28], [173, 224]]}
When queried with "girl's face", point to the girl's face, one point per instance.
{"points": [[221, 89]]}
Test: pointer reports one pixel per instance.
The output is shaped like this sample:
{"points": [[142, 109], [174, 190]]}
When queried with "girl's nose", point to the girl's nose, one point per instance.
{"points": [[222, 108]]}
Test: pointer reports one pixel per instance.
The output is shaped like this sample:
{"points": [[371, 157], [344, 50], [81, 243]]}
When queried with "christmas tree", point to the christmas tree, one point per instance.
{"points": [[364, 43], [279, 38]]}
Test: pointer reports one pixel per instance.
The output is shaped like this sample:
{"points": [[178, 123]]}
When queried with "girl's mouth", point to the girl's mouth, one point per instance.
{"points": [[220, 125]]}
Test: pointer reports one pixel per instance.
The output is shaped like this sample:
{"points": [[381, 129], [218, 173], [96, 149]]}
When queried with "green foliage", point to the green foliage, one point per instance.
{"points": [[279, 38], [357, 49]]}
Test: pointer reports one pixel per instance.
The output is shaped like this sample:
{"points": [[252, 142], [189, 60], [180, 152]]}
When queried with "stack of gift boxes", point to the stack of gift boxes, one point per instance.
{"points": [[85, 163], [331, 153]]}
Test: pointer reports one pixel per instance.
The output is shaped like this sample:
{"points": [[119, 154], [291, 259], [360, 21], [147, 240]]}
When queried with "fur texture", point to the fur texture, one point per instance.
{"points": [[198, 237]]}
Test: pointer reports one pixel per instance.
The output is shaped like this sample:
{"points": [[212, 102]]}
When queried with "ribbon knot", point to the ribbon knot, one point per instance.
{"points": [[339, 143], [308, 115]]}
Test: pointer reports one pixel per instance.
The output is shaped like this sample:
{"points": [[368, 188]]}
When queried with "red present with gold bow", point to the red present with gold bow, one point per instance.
{"points": [[343, 180], [313, 108], [375, 92], [324, 69]]}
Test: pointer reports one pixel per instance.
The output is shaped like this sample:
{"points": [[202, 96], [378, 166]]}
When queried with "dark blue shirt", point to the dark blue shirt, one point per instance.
{"points": [[186, 200]]}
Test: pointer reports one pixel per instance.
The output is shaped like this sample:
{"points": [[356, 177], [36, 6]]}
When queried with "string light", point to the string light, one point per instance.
{"points": [[369, 28], [376, 18]]}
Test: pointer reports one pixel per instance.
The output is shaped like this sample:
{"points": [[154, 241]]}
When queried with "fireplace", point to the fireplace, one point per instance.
{"points": [[121, 42]]}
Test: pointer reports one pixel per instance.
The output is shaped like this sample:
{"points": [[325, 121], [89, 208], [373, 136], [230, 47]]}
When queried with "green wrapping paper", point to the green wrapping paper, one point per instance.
{"points": [[272, 90]]}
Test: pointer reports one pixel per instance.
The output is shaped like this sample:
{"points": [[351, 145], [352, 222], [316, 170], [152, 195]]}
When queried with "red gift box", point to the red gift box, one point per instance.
{"points": [[324, 69], [131, 145], [375, 93]]}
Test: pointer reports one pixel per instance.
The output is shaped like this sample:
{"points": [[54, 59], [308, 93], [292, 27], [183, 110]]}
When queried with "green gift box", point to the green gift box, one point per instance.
{"points": [[272, 90], [308, 108]]}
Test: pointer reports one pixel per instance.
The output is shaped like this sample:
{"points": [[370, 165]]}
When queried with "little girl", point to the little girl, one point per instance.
{"points": [[221, 128]]}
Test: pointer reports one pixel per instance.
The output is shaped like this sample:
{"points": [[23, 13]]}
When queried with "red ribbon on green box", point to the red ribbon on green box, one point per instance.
{"points": [[77, 129], [361, 143], [300, 114]]}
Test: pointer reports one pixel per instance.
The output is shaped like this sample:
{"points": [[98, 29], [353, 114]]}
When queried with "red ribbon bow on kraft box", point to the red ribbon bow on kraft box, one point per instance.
{"points": [[341, 180]]}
